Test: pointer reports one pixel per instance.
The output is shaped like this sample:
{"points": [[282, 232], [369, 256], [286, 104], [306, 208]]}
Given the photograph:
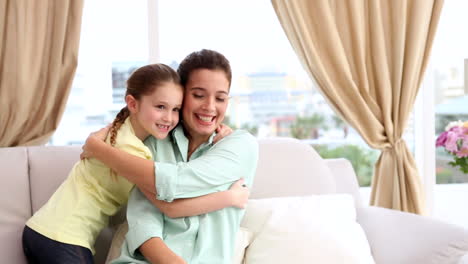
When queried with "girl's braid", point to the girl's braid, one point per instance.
{"points": [[117, 123]]}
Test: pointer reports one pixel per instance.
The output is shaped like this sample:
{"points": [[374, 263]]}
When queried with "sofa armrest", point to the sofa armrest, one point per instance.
{"points": [[398, 237], [345, 178]]}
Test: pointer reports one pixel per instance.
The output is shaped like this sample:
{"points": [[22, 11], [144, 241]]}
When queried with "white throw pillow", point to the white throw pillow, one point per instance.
{"points": [[308, 229]]}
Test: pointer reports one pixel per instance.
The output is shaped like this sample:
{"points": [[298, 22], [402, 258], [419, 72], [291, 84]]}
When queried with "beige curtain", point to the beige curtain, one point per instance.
{"points": [[368, 58], [38, 57]]}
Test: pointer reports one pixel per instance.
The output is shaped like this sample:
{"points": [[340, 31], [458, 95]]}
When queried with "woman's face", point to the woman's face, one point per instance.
{"points": [[205, 102]]}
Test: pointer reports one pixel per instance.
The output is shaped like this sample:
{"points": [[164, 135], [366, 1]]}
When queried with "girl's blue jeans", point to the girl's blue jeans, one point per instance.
{"points": [[41, 249]]}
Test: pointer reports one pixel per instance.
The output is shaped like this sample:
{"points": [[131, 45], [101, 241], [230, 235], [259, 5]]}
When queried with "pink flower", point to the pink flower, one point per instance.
{"points": [[451, 141], [463, 152], [440, 142], [457, 129], [455, 141]]}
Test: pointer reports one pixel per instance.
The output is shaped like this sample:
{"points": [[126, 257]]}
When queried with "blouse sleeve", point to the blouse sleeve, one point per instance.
{"points": [[230, 159]]}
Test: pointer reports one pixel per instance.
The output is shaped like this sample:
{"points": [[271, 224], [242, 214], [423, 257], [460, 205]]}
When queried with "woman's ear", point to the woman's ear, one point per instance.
{"points": [[132, 103]]}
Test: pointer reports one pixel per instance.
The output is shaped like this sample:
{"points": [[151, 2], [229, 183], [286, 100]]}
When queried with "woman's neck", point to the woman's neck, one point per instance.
{"points": [[195, 141]]}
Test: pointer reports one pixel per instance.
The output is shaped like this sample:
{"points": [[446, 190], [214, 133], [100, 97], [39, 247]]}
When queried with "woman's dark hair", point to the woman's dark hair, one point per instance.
{"points": [[204, 59], [143, 81]]}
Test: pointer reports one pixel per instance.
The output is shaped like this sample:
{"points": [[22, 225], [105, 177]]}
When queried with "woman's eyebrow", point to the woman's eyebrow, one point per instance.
{"points": [[204, 90], [198, 88]]}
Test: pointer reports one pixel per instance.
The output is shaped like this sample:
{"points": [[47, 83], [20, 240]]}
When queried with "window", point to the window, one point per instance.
{"points": [[448, 75], [113, 41], [271, 93]]}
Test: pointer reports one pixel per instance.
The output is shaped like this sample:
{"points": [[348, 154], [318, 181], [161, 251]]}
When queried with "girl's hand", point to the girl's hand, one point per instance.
{"points": [[240, 194], [222, 132], [93, 139]]}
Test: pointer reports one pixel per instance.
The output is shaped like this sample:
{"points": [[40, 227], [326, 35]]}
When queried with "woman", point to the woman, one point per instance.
{"points": [[189, 165]]}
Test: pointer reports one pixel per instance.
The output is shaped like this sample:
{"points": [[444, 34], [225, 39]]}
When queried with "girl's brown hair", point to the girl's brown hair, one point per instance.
{"points": [[143, 81]]}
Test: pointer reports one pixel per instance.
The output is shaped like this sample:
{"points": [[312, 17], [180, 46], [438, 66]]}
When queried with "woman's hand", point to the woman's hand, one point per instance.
{"points": [[240, 194], [93, 139], [221, 132]]}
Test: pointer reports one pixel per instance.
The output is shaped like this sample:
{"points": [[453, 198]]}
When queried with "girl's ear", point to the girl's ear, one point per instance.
{"points": [[132, 103]]}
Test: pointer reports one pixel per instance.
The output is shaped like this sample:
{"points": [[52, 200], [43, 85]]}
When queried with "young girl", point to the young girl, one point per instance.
{"points": [[64, 230]]}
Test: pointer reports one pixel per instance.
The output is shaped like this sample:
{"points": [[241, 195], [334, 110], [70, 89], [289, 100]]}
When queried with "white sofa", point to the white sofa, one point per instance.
{"points": [[286, 168]]}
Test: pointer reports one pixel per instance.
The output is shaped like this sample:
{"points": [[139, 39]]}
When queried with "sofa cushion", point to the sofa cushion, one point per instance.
{"points": [[418, 239], [309, 229], [345, 178], [279, 175], [15, 202]]}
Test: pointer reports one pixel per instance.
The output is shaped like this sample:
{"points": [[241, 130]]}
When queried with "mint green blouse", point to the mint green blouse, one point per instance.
{"points": [[207, 238]]}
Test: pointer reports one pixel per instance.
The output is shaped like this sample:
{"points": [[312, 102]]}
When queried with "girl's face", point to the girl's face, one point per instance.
{"points": [[205, 102], [158, 113]]}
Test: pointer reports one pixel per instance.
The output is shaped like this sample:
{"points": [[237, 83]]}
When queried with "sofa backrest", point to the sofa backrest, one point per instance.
{"points": [[15, 202], [48, 168], [288, 167]]}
